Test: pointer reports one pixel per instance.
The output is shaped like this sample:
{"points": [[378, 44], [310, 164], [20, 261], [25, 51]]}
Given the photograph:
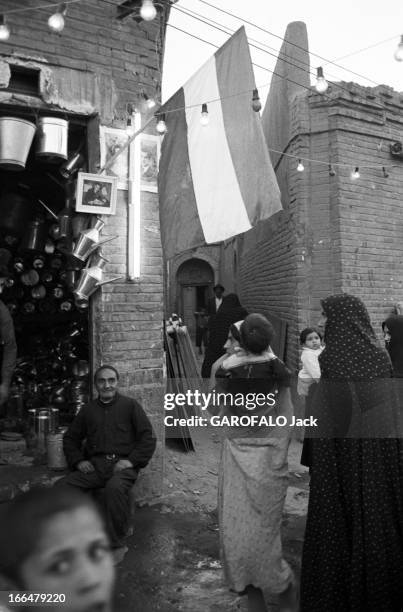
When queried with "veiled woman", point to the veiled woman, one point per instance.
{"points": [[353, 550], [254, 471]]}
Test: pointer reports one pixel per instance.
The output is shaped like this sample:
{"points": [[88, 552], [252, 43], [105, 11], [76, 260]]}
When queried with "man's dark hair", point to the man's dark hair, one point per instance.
{"points": [[305, 333], [105, 367], [24, 519], [218, 287], [256, 333]]}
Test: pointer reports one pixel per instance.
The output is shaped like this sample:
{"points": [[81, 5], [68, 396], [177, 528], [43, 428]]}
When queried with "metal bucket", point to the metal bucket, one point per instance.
{"points": [[56, 457], [16, 136], [52, 138]]}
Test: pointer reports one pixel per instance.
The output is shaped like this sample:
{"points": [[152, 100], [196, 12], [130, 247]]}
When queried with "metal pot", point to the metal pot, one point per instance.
{"points": [[38, 292], [35, 237], [80, 369], [16, 212], [16, 136], [30, 278], [52, 138]]}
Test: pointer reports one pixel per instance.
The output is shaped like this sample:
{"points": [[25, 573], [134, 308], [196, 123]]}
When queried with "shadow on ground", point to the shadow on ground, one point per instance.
{"points": [[173, 560]]}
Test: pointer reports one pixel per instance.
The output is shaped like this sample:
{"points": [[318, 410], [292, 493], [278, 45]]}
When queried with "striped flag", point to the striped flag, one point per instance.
{"points": [[215, 181]]}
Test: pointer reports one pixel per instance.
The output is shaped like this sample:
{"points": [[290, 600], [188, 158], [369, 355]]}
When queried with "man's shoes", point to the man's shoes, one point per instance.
{"points": [[119, 554]]}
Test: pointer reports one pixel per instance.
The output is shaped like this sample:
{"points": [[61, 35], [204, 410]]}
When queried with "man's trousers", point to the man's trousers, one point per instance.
{"points": [[117, 487]]}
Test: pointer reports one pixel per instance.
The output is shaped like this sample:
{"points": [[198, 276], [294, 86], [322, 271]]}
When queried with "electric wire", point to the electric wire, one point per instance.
{"points": [[276, 55], [282, 39]]}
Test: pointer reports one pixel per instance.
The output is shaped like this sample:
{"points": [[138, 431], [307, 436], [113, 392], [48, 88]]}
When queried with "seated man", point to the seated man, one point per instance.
{"points": [[119, 442]]}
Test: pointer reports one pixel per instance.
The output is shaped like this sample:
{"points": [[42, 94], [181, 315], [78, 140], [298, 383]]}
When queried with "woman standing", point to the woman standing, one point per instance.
{"points": [[229, 312], [254, 472], [353, 551]]}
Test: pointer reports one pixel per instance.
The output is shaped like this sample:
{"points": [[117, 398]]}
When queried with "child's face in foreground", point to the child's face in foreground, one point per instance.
{"points": [[73, 558], [312, 341]]}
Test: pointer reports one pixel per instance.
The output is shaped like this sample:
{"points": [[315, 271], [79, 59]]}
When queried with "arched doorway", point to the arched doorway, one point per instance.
{"points": [[194, 280]]}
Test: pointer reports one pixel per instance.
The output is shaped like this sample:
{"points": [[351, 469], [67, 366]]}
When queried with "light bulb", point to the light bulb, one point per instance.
{"points": [[300, 166], [161, 126], [321, 83], [148, 11], [399, 50], [356, 173], [151, 103], [56, 21], [204, 119], [332, 171], [256, 103], [4, 29]]}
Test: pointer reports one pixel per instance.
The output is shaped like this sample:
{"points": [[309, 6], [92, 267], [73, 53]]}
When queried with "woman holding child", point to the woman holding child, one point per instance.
{"points": [[254, 472], [353, 549]]}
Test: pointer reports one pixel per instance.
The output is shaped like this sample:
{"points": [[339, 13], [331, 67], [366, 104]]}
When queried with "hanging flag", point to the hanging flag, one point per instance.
{"points": [[215, 181]]}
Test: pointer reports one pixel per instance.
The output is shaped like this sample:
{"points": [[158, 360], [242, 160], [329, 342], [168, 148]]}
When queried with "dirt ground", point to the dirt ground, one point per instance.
{"points": [[173, 559]]}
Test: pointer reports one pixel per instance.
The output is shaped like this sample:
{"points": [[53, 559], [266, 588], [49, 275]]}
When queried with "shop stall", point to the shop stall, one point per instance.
{"points": [[55, 264]]}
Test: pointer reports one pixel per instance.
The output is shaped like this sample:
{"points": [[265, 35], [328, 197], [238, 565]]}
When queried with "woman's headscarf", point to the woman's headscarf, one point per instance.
{"points": [[355, 393], [351, 350], [394, 323]]}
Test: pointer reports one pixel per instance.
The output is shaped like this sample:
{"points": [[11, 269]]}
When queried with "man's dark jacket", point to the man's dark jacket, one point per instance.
{"points": [[121, 428]]}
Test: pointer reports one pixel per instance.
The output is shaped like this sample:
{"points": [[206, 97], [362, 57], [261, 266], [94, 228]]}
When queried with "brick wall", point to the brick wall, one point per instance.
{"points": [[121, 55], [335, 234], [369, 211], [95, 68]]}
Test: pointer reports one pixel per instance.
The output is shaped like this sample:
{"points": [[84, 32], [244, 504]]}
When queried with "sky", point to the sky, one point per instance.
{"points": [[335, 29]]}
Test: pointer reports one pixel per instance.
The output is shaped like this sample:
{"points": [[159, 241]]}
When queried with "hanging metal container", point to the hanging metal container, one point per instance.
{"points": [[89, 240], [52, 138], [91, 279], [16, 136]]}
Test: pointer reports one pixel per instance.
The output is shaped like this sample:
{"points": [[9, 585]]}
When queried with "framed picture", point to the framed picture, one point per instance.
{"points": [[149, 159], [96, 194], [111, 140]]}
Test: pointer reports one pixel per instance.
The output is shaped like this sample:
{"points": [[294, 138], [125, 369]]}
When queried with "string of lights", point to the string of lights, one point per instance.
{"points": [[56, 21], [321, 83], [148, 12], [253, 63], [398, 52]]}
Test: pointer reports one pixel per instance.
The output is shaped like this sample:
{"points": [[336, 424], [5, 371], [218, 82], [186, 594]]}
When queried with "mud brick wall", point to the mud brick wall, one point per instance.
{"points": [[95, 68]]}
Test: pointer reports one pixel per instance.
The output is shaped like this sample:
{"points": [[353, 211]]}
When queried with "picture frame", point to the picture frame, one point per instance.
{"points": [[150, 149], [96, 194], [111, 139]]}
